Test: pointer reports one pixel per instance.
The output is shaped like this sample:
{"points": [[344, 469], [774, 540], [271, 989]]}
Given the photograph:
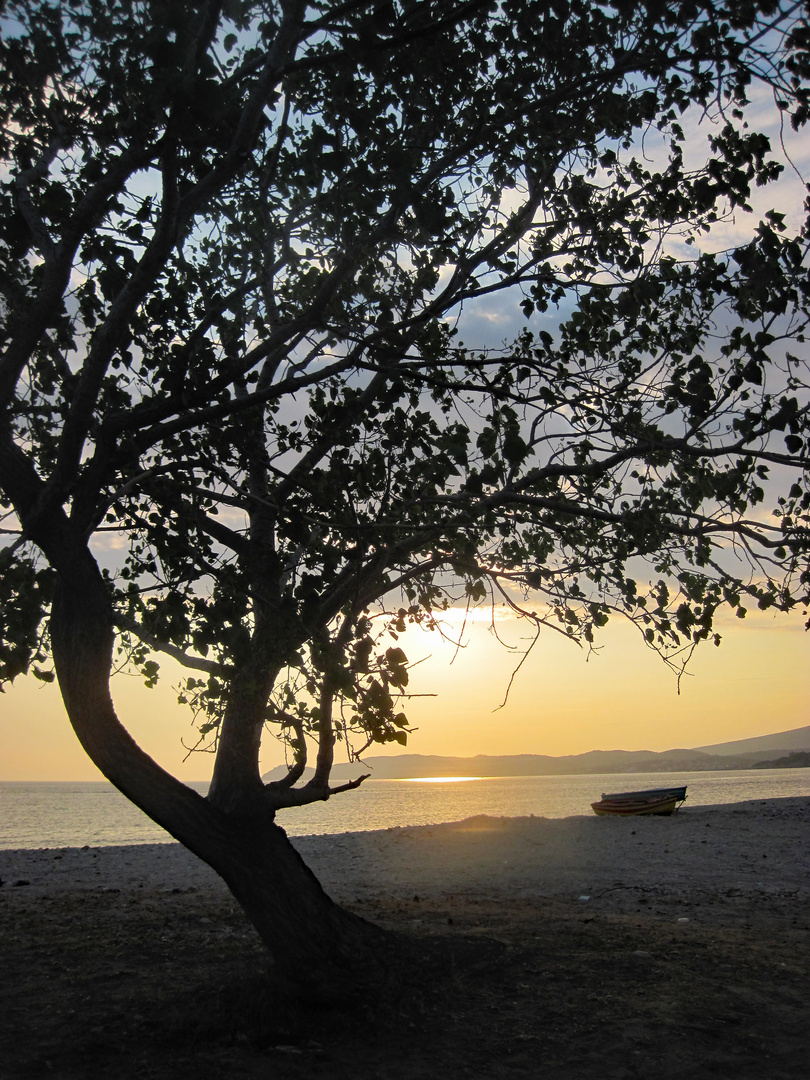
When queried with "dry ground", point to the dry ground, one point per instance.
{"points": [[554, 949], [156, 985]]}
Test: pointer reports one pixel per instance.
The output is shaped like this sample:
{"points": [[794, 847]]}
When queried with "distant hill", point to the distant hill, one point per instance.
{"points": [[739, 755], [797, 760], [795, 739]]}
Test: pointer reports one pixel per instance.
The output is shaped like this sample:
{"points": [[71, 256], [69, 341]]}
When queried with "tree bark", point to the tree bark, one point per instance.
{"points": [[316, 948]]}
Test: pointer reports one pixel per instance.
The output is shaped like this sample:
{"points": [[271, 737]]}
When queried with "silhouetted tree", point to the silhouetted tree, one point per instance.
{"points": [[237, 242]]}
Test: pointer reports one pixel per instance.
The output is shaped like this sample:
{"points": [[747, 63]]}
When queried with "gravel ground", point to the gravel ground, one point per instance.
{"points": [[551, 948]]}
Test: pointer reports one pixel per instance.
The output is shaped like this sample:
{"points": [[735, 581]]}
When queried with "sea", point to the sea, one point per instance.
{"points": [[67, 814]]}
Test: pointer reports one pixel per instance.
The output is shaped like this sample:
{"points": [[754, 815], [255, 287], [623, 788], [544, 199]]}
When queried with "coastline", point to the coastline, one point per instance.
{"points": [[753, 848]]}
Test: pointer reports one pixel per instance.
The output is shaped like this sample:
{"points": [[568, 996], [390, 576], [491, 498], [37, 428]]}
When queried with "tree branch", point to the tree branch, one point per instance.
{"points": [[195, 663]]}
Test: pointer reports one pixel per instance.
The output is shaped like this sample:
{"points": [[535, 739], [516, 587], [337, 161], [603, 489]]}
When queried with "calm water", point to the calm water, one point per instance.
{"points": [[37, 815]]}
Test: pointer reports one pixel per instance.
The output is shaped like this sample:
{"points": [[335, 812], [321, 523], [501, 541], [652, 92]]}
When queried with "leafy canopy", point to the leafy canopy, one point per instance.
{"points": [[242, 247]]}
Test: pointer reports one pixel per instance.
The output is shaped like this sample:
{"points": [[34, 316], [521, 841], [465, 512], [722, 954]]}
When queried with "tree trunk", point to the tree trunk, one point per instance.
{"points": [[316, 948]]}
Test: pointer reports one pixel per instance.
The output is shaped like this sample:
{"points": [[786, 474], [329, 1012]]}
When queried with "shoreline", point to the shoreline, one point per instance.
{"points": [[57, 816], [750, 850]]}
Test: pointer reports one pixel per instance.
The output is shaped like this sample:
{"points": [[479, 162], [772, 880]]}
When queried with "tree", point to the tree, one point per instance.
{"points": [[238, 241]]}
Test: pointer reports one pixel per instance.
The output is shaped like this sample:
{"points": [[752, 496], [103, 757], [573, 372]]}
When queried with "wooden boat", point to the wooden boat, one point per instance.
{"points": [[678, 793], [652, 801]]}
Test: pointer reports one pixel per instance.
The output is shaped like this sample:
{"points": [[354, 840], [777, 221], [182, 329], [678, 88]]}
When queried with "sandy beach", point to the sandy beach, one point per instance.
{"points": [[608, 947]]}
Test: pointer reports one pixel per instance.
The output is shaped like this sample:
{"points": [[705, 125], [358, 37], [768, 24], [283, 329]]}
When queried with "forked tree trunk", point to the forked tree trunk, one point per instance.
{"points": [[315, 946]]}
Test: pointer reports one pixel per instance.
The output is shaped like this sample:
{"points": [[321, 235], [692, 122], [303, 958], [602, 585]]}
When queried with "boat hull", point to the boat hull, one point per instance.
{"points": [[628, 808]]}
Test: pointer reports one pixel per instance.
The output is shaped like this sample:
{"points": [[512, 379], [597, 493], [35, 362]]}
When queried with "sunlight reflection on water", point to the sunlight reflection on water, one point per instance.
{"points": [[36, 815], [440, 779]]}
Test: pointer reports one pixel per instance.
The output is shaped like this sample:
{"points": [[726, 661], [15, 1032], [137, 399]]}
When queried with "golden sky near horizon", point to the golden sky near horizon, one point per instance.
{"points": [[562, 702]]}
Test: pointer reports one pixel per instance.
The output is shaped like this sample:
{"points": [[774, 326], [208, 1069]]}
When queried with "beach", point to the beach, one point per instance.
{"points": [[586, 947]]}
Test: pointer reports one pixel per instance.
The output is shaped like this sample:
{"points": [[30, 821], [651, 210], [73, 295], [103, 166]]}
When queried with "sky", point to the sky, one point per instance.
{"points": [[562, 701]]}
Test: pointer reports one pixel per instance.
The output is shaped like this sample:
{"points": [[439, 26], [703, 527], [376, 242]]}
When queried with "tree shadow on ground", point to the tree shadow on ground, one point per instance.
{"points": [[163, 986]]}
